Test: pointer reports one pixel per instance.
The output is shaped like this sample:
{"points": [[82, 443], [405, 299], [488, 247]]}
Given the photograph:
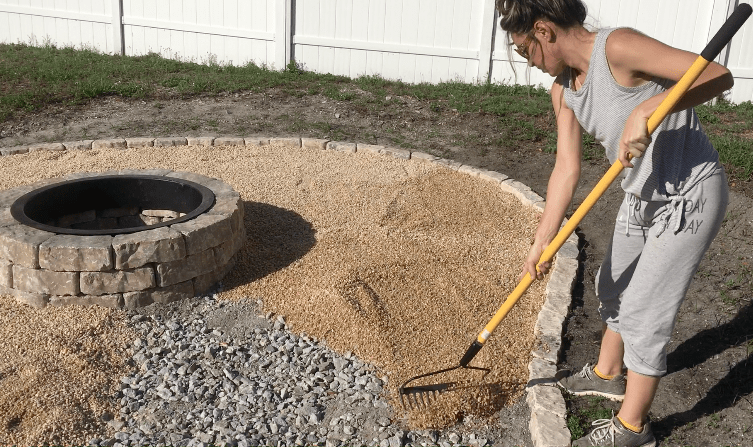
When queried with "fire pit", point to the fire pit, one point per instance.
{"points": [[112, 204], [118, 239]]}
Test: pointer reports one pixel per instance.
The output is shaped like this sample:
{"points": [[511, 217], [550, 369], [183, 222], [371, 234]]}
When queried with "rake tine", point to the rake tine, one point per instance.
{"points": [[421, 397]]}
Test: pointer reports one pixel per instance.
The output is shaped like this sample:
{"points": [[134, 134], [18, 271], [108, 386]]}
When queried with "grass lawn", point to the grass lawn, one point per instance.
{"points": [[34, 77]]}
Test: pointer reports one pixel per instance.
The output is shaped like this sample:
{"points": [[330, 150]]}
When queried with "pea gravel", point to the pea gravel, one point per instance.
{"points": [[58, 369], [254, 383], [379, 268]]}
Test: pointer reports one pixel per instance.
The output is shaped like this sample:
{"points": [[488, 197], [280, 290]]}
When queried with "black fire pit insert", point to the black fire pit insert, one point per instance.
{"points": [[43, 208]]}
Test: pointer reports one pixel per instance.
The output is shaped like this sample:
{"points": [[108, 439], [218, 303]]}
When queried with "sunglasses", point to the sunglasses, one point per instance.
{"points": [[522, 49]]}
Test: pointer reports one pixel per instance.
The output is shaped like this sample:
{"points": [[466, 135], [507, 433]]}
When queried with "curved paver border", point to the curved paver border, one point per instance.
{"points": [[547, 424]]}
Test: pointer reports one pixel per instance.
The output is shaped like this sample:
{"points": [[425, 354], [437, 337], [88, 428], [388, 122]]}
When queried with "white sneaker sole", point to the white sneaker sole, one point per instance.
{"points": [[614, 397]]}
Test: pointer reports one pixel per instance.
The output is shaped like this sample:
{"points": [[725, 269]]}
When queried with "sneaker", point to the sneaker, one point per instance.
{"points": [[587, 383], [611, 433]]}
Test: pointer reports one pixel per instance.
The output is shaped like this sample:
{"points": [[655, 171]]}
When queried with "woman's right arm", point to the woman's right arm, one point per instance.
{"points": [[562, 181]]}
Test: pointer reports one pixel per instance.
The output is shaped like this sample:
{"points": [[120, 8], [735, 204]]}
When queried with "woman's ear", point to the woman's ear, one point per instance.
{"points": [[546, 30]]}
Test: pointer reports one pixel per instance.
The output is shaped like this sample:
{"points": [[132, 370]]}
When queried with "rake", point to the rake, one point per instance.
{"points": [[423, 395]]}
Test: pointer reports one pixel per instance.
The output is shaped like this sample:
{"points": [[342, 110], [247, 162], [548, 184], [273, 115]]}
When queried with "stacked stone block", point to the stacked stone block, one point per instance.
{"points": [[160, 265]]}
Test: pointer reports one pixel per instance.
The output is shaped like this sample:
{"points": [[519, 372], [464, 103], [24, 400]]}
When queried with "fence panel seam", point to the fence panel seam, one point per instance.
{"points": [[488, 29], [117, 26]]}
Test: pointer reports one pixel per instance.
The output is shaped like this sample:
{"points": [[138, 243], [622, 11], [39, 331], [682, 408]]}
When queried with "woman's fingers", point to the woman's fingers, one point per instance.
{"points": [[633, 149], [639, 146], [527, 268], [539, 273], [635, 139]]}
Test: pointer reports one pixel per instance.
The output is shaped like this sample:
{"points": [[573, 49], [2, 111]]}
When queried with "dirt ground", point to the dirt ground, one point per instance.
{"points": [[707, 397]]}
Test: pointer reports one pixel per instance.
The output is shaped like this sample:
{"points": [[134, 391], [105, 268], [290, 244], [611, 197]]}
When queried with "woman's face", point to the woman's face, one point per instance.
{"points": [[538, 53]]}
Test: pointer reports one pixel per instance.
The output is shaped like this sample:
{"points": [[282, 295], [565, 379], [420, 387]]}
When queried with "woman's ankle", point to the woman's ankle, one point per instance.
{"points": [[608, 372]]}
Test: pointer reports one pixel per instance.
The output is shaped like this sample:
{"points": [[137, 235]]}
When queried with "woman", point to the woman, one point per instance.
{"points": [[608, 83]]}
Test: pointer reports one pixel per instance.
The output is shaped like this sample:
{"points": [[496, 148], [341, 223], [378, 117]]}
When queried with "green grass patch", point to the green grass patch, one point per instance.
{"points": [[32, 78], [736, 151], [592, 150], [730, 129], [332, 92], [591, 408], [711, 114]]}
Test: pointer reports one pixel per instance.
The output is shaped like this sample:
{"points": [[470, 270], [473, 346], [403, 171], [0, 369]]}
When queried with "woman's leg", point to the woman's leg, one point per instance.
{"points": [[605, 378], [639, 395], [614, 276], [650, 303], [641, 389], [611, 353]]}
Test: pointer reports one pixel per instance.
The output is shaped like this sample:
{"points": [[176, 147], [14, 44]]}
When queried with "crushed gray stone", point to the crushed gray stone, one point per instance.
{"points": [[198, 384]]}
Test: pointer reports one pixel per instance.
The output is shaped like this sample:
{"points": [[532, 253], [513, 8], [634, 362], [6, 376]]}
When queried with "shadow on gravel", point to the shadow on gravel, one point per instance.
{"points": [[736, 384], [275, 238]]}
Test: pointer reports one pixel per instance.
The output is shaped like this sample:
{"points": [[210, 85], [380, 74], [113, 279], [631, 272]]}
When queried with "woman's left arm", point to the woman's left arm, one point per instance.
{"points": [[636, 58]]}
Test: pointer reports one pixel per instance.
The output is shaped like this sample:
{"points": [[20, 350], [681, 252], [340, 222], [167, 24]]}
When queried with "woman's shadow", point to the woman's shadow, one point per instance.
{"points": [[736, 384], [275, 238]]}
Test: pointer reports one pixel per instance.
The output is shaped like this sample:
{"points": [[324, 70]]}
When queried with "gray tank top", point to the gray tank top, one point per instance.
{"points": [[680, 155]]}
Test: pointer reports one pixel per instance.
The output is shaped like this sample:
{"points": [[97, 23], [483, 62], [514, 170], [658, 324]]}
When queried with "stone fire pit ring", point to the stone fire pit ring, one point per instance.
{"points": [[128, 255]]}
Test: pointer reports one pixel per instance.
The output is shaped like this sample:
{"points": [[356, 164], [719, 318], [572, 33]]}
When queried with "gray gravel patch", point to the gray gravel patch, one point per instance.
{"points": [[212, 372]]}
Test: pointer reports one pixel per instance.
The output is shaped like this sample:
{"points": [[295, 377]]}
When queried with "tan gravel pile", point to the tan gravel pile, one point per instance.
{"points": [[57, 368], [399, 261]]}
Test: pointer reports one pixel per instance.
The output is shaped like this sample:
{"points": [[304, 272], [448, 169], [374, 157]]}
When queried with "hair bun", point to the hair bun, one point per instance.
{"points": [[519, 16]]}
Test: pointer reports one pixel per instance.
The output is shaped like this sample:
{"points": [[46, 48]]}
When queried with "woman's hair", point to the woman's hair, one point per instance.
{"points": [[518, 16]]}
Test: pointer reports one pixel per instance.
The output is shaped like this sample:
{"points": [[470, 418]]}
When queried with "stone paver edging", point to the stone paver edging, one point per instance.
{"points": [[547, 424]]}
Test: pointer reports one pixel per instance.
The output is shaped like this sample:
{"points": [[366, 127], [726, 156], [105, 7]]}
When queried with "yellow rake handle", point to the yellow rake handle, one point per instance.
{"points": [[722, 37]]}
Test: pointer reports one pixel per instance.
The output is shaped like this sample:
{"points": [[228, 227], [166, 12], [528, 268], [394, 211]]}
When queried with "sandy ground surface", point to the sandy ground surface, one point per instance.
{"points": [[400, 262], [58, 369]]}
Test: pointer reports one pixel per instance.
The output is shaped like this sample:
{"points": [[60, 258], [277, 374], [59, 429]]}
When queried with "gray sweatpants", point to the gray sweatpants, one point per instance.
{"points": [[655, 251]]}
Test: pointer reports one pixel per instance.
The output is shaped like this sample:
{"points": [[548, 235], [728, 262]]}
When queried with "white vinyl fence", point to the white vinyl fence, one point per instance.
{"points": [[411, 40]]}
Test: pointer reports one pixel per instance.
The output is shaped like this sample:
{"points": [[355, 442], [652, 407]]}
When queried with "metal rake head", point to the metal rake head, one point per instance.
{"points": [[421, 396]]}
